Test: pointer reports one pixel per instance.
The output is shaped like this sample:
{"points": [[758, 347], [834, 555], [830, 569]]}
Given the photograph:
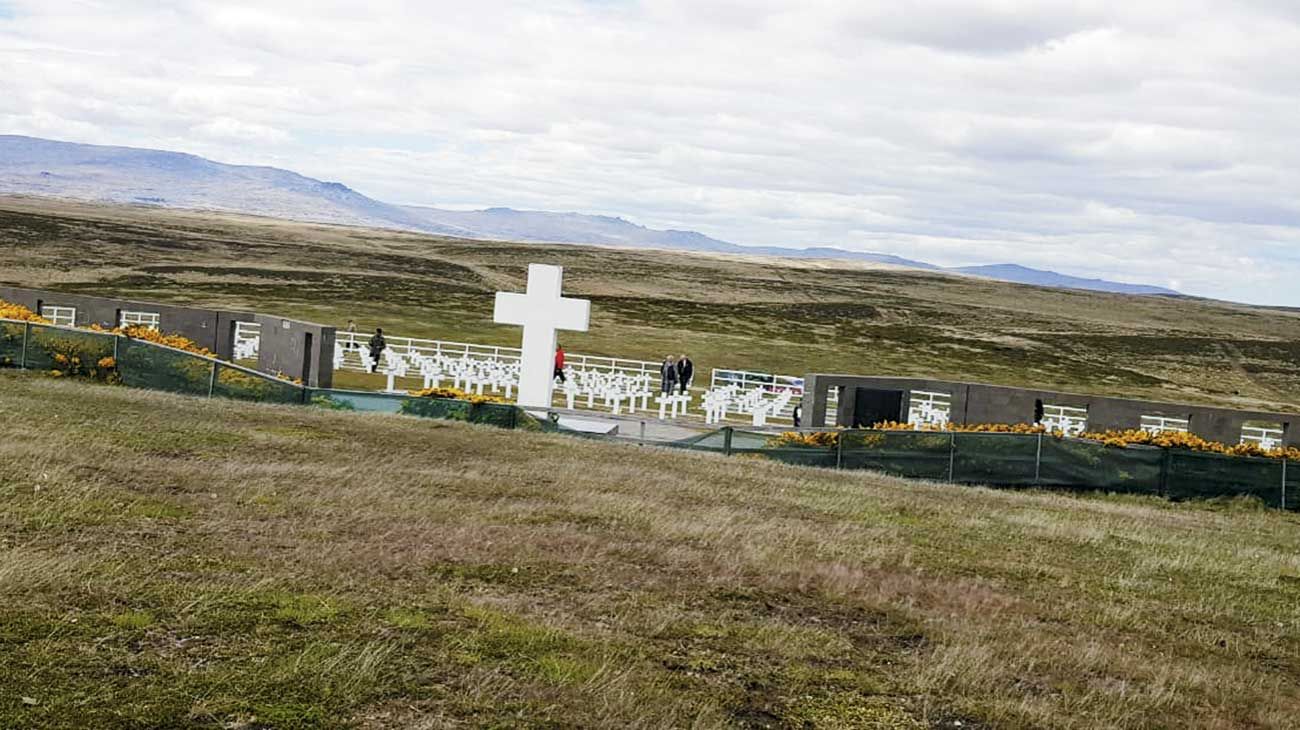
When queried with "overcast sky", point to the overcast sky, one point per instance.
{"points": [[1155, 141]]}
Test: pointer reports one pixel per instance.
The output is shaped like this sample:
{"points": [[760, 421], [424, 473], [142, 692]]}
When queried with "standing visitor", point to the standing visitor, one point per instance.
{"points": [[559, 363], [377, 346], [668, 374], [352, 336], [797, 414], [685, 373]]}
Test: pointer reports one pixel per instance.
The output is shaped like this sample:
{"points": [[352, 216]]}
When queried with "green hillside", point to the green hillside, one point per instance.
{"points": [[777, 315], [168, 562]]}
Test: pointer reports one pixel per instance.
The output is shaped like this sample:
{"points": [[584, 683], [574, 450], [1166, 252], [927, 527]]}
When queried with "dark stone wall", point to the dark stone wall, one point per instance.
{"points": [[284, 349], [208, 328], [975, 403]]}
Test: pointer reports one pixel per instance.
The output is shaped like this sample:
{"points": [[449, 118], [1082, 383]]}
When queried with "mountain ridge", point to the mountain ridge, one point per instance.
{"points": [[32, 165]]}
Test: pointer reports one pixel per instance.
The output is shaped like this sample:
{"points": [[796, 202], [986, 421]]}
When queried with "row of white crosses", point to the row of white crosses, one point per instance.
{"points": [[670, 402], [755, 403], [470, 374], [612, 388]]}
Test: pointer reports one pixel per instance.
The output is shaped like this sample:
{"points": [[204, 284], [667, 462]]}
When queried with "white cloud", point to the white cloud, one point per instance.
{"points": [[1140, 141], [226, 128]]}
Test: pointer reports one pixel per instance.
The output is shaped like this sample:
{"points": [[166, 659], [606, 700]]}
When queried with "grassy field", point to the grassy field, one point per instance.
{"points": [[168, 561], [742, 313]]}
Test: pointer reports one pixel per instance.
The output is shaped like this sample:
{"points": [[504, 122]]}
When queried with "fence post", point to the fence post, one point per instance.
{"points": [[1284, 461], [116, 340], [952, 455], [839, 451], [212, 379], [27, 331], [727, 431], [1038, 460], [1165, 467]]}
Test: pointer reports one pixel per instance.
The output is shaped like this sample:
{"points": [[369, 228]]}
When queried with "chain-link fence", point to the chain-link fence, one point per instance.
{"points": [[136, 363], [1027, 460], [995, 459], [141, 364]]}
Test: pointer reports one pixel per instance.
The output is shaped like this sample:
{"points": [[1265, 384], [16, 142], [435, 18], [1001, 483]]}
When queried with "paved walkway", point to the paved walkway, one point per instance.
{"points": [[636, 427]]}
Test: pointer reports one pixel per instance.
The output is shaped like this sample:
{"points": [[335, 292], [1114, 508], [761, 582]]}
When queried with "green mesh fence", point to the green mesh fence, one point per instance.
{"points": [[995, 458], [1195, 475], [353, 400], [798, 455], [912, 454], [493, 414], [235, 382], [11, 344], [144, 365], [51, 348], [1088, 465]]}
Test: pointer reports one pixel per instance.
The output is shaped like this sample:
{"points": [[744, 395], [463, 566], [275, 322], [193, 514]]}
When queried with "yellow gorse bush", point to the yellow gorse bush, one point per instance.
{"points": [[148, 334], [9, 310], [1029, 428], [1187, 442], [455, 394], [794, 439], [1114, 439]]}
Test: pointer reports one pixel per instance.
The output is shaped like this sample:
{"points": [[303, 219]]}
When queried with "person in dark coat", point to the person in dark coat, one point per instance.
{"points": [[685, 373], [377, 346], [668, 375]]}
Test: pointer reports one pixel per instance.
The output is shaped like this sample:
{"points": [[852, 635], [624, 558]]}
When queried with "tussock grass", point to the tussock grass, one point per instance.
{"points": [[291, 567]]}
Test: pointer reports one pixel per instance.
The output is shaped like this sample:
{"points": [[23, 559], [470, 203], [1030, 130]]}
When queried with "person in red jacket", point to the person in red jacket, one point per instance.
{"points": [[559, 362]]}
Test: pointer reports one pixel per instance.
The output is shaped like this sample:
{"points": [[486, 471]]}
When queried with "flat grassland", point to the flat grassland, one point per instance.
{"points": [[169, 561], [776, 315]]}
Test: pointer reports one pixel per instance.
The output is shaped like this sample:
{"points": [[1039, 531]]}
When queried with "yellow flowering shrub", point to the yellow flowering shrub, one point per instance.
{"points": [[815, 440], [9, 310], [1114, 439], [281, 376], [1022, 428], [148, 334], [81, 358], [1187, 442], [455, 394]]}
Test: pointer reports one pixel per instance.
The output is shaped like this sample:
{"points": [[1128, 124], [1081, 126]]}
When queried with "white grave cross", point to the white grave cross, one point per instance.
{"points": [[541, 311]]}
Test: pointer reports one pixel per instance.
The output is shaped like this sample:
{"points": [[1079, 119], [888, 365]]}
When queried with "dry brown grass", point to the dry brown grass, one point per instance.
{"points": [[170, 561]]}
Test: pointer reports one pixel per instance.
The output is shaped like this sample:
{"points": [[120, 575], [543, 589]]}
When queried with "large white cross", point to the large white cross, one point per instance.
{"points": [[541, 311]]}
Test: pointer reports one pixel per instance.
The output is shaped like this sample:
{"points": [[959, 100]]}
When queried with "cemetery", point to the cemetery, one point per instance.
{"points": [[471, 382]]}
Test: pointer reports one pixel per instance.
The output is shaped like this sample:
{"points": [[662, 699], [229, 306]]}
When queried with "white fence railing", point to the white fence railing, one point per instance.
{"points": [[248, 338], [1068, 420], [1267, 437], [1157, 425], [359, 342]]}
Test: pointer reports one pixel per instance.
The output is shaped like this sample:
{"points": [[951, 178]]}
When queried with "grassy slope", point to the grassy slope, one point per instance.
{"points": [[169, 561], [782, 316]]}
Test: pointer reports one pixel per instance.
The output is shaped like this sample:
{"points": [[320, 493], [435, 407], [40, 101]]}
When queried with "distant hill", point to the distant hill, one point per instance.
{"points": [[540, 226], [1023, 275], [173, 179], [33, 166]]}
